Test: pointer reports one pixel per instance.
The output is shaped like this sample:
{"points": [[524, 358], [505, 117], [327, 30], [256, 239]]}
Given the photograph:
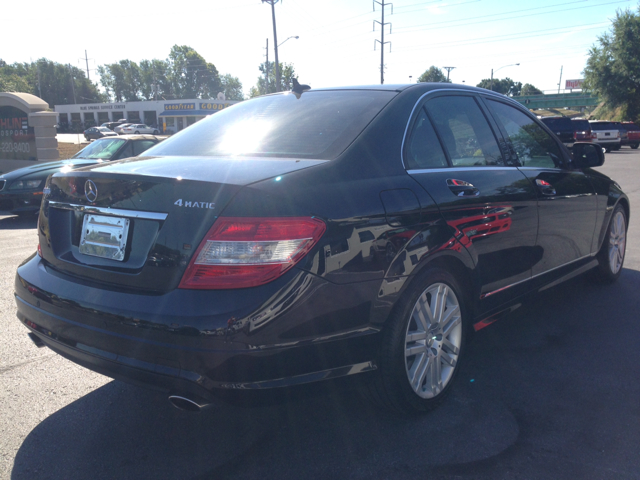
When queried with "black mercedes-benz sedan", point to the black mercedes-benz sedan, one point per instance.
{"points": [[299, 237]]}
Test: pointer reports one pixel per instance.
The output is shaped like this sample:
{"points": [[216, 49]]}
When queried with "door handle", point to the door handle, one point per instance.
{"points": [[545, 187], [461, 188]]}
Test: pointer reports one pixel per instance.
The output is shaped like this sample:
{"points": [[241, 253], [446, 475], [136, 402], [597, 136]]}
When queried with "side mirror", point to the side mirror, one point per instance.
{"points": [[586, 155]]}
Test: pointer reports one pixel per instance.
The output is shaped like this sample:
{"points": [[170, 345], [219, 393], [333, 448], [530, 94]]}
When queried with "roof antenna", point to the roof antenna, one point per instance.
{"points": [[298, 89]]}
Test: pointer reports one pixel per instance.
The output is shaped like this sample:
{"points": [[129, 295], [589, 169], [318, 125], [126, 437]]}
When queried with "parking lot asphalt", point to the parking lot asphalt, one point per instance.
{"points": [[550, 392]]}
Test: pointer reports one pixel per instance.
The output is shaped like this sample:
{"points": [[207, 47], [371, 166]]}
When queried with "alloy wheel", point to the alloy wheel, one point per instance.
{"points": [[617, 242], [433, 339]]}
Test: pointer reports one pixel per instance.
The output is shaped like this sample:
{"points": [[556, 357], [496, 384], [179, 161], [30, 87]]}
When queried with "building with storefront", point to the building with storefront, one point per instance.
{"points": [[169, 116]]}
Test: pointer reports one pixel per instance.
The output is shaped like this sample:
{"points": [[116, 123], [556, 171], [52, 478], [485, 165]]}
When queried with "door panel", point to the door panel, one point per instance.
{"points": [[566, 198], [491, 208]]}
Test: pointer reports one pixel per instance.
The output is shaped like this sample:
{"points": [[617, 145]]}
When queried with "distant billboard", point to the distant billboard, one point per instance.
{"points": [[573, 84]]}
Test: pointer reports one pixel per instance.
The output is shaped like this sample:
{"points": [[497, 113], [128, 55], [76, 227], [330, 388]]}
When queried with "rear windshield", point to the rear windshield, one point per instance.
{"points": [[319, 124], [580, 125], [560, 123], [603, 126], [104, 148]]}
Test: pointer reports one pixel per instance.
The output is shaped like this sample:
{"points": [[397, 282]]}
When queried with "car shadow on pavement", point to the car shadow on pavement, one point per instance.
{"points": [[17, 222], [549, 392]]}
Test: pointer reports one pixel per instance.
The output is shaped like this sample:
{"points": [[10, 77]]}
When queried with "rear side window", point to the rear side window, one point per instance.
{"points": [[534, 146], [140, 146], [580, 125], [603, 126], [424, 149], [631, 127], [558, 123], [319, 124], [464, 131]]}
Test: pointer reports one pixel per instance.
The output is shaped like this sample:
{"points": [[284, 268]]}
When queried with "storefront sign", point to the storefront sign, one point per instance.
{"points": [[213, 106], [571, 84], [17, 138], [179, 106]]}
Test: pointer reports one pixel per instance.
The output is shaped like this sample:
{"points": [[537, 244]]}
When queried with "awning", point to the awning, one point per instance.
{"points": [[186, 113]]}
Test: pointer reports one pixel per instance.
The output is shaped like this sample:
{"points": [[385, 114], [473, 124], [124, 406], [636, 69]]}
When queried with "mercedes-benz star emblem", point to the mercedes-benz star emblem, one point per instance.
{"points": [[90, 191]]}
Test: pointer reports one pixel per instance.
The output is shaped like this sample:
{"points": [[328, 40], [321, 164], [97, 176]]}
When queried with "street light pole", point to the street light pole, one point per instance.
{"points": [[504, 66], [275, 40], [294, 36]]}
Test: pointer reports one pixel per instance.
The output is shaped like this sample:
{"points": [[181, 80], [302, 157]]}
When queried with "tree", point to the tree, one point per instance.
{"points": [[287, 73], [232, 87], [55, 83], [613, 66], [529, 89], [190, 75], [506, 86], [433, 74]]}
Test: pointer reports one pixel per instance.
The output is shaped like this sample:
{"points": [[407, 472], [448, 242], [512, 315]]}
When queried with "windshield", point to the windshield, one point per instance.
{"points": [[104, 148], [317, 125]]}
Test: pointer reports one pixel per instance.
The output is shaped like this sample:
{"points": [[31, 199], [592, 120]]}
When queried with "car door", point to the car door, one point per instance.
{"points": [[452, 151], [566, 197]]}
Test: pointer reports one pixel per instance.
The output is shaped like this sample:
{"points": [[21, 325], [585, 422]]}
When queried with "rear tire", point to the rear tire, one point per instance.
{"points": [[422, 345], [156, 132], [635, 146], [607, 149], [612, 253], [137, 133]]}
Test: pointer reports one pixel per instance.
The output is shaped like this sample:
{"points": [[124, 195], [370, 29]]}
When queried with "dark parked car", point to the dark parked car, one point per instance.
{"points": [[113, 125], [251, 251], [633, 133], [98, 132], [21, 189], [582, 130], [562, 127]]}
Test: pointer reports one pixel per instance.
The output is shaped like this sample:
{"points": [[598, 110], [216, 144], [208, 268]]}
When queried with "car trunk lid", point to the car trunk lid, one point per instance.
{"points": [[135, 224]]}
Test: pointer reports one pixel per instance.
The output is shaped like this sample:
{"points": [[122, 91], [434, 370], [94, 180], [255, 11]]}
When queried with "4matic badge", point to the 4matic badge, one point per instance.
{"points": [[190, 204]]}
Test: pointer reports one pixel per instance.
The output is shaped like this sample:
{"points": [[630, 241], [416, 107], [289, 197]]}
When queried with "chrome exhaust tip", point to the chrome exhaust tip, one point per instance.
{"points": [[187, 404]]}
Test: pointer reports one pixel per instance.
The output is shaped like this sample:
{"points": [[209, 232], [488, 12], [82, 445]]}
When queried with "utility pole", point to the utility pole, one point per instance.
{"points": [[38, 71], [381, 41], [448, 69], [73, 88], [87, 61], [275, 40], [560, 81], [266, 70]]}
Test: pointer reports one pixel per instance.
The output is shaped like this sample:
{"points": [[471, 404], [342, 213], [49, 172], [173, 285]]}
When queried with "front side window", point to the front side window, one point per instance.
{"points": [[464, 131], [534, 146]]}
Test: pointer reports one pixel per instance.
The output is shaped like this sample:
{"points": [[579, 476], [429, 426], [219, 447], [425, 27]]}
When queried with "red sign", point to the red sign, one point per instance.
{"points": [[571, 84]]}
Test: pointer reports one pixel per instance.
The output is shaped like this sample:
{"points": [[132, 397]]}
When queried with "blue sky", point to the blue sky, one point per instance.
{"points": [[336, 38]]}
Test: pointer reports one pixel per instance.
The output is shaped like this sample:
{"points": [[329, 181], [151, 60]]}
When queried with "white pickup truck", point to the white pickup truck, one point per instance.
{"points": [[608, 135]]}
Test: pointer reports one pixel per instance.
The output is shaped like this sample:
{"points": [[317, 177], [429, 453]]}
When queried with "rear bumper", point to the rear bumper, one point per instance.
{"points": [[168, 342]]}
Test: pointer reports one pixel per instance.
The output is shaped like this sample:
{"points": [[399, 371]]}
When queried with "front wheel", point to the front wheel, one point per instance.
{"points": [[156, 132], [635, 146], [611, 255], [422, 344]]}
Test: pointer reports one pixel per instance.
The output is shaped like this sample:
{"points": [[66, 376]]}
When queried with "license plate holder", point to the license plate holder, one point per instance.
{"points": [[104, 236]]}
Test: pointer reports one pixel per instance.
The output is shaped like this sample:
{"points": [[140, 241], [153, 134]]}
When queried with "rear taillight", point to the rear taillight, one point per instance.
{"points": [[246, 252], [594, 135]]}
